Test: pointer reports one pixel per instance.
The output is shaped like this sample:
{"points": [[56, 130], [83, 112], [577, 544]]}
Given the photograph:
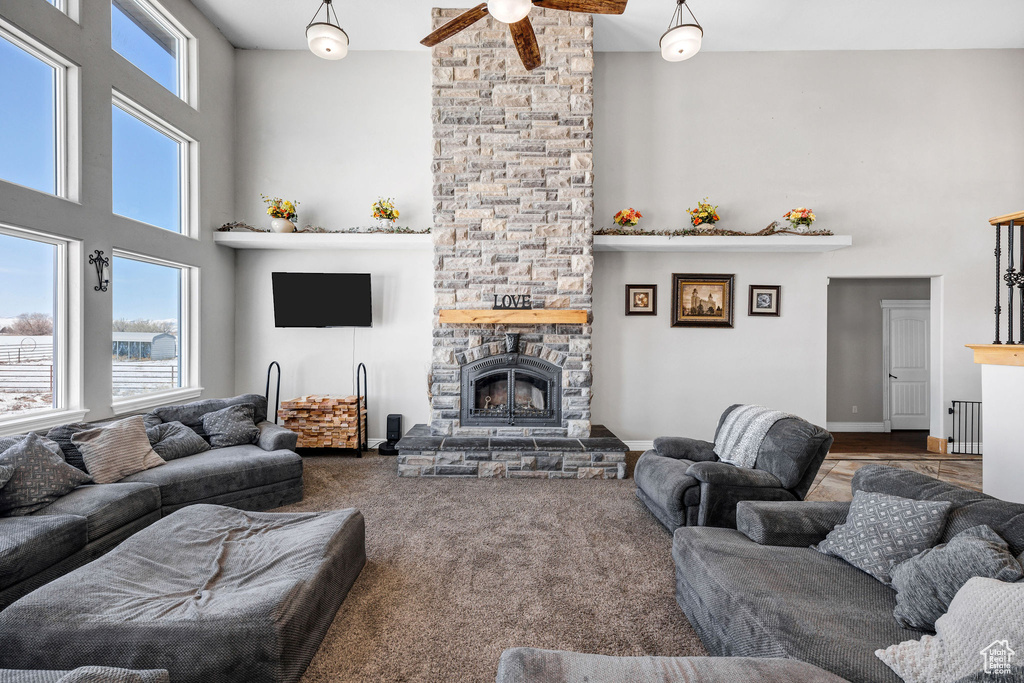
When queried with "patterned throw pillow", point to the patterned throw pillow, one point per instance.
{"points": [[117, 450], [231, 426], [972, 641], [40, 476], [928, 582], [173, 440], [882, 530], [61, 435], [6, 473]]}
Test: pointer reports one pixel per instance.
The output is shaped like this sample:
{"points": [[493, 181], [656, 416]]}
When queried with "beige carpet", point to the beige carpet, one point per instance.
{"points": [[459, 570]]}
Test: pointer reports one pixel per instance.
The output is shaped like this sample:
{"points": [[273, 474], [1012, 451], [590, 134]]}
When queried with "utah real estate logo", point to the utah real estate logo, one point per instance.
{"points": [[998, 658]]}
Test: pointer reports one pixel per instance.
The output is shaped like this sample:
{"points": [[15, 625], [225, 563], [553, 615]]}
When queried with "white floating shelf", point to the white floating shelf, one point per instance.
{"points": [[322, 240], [765, 243]]}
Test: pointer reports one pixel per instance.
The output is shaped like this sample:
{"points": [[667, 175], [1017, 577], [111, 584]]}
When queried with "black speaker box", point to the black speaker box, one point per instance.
{"points": [[394, 434]]}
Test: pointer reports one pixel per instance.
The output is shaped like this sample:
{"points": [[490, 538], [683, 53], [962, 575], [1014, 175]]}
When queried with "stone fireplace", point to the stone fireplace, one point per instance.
{"points": [[513, 215]]}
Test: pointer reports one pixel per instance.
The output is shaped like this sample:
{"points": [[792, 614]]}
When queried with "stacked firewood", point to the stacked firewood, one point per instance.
{"points": [[324, 421]]}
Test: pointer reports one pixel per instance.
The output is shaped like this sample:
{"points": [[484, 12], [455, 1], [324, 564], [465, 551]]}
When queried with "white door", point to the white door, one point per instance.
{"points": [[906, 365]]}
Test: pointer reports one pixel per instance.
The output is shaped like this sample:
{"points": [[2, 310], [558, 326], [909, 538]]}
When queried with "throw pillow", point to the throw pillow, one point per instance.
{"points": [[173, 440], [882, 530], [61, 435], [117, 450], [107, 674], [40, 476], [231, 426], [971, 639], [8, 441], [6, 472], [927, 583]]}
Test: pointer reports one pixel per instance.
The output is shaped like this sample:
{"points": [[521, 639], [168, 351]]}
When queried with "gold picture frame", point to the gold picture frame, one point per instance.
{"points": [[702, 300]]}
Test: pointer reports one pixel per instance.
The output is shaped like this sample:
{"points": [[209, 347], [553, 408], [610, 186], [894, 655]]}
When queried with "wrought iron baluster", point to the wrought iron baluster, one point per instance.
{"points": [[1020, 283], [1010, 279], [999, 267]]}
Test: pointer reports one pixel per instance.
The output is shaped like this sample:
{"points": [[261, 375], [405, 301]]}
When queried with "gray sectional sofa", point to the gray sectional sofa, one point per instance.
{"points": [[93, 519], [761, 591]]}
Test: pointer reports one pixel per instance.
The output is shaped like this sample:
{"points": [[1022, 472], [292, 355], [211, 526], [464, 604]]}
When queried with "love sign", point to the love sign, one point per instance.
{"points": [[513, 302]]}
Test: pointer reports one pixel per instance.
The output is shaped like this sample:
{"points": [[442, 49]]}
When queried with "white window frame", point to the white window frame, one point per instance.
{"points": [[68, 7], [66, 116], [188, 165], [185, 46], [68, 339], [188, 339]]}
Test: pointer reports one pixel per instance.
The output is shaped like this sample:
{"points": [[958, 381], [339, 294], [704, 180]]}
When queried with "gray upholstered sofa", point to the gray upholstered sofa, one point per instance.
{"points": [[683, 482], [530, 665], [761, 591], [91, 520]]}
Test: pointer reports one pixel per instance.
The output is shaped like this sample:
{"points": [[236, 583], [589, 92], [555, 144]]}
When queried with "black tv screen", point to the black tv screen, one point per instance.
{"points": [[322, 300]]}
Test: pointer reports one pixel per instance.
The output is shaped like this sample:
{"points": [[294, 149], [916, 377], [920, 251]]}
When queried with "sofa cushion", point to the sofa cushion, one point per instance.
{"points": [[984, 620], [108, 507], [231, 426], [30, 544], [113, 452], [40, 476], [191, 414], [173, 440], [970, 508], [789, 448], [882, 530], [61, 435], [927, 583], [771, 601], [220, 471]]}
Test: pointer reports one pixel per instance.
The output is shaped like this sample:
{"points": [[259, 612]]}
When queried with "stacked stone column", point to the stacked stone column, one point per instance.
{"points": [[513, 200]]}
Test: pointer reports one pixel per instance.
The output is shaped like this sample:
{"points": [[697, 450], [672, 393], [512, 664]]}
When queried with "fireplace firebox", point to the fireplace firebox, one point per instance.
{"points": [[511, 389]]}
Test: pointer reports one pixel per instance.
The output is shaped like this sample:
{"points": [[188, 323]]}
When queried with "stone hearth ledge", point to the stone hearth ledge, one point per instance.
{"points": [[600, 456]]}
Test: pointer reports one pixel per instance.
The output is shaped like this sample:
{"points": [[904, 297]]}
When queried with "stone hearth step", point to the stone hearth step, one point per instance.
{"points": [[600, 456]]}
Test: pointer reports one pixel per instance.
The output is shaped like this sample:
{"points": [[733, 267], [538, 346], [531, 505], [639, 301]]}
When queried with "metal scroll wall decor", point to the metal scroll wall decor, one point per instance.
{"points": [[100, 262]]}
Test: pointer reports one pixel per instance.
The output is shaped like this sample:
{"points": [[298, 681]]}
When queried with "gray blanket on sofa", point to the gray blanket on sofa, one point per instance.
{"points": [[742, 433]]}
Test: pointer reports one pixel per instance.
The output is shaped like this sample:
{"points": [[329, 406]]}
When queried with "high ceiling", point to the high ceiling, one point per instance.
{"points": [[729, 25]]}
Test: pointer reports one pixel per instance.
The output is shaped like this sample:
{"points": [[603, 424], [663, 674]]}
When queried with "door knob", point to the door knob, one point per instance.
{"points": [[892, 376]]}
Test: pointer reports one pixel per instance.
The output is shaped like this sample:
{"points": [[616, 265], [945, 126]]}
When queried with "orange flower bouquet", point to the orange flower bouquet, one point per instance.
{"points": [[627, 218], [800, 216], [704, 214], [280, 208], [384, 210]]}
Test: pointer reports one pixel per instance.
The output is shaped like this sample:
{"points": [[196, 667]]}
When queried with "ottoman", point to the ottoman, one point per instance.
{"points": [[209, 593]]}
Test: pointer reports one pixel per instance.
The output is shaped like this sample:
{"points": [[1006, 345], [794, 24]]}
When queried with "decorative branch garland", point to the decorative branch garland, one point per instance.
{"points": [[772, 229], [230, 227]]}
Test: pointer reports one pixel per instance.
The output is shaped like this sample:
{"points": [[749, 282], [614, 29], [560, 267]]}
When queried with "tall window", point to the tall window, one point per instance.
{"points": [[29, 116], [148, 38], [150, 169], [31, 281], [150, 339]]}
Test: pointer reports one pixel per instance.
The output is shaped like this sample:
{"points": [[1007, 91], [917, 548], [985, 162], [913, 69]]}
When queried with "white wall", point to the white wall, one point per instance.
{"points": [[91, 220], [902, 150], [334, 135], [396, 350]]}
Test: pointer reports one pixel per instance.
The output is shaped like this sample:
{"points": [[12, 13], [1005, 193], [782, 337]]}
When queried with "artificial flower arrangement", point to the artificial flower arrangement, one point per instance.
{"points": [[384, 210], [704, 214], [280, 208], [800, 216], [627, 218]]}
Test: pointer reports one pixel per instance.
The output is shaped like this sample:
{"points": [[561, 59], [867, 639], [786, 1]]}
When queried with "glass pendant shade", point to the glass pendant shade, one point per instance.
{"points": [[509, 11], [327, 41], [681, 43]]}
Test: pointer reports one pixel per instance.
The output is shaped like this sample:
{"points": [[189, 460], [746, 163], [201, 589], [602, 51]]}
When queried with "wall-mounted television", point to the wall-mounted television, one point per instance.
{"points": [[322, 300]]}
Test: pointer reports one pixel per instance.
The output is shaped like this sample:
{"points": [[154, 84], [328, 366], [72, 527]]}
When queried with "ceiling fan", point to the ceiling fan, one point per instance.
{"points": [[515, 13]]}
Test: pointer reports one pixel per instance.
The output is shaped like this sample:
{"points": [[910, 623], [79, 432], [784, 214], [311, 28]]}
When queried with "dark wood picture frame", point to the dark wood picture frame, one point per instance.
{"points": [[700, 288], [773, 311], [652, 292]]}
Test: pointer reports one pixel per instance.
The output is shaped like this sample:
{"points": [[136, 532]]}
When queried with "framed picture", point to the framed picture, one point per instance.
{"points": [[765, 300], [641, 299], [702, 300]]}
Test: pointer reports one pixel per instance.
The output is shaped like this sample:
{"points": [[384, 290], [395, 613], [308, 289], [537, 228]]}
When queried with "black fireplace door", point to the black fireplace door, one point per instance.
{"points": [[511, 389]]}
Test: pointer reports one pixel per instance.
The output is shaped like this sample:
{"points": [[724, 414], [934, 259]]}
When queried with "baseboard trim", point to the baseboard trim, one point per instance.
{"points": [[855, 426], [639, 445]]}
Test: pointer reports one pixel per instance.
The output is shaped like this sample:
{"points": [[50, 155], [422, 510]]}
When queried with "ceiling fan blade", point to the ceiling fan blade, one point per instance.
{"points": [[459, 23], [588, 6], [526, 42]]}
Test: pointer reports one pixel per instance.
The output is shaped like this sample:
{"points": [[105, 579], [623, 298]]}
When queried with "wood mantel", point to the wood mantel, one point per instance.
{"points": [[537, 316], [998, 354]]}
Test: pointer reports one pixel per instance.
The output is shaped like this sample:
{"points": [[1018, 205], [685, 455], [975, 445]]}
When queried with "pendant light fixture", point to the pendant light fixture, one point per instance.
{"points": [[682, 40], [327, 40]]}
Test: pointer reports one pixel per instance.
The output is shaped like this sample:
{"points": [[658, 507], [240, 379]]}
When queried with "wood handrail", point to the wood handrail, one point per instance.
{"points": [[1005, 220]]}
